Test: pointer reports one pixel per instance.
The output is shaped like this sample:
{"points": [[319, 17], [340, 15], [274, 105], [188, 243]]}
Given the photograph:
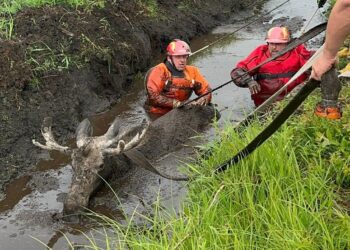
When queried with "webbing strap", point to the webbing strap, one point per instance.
{"points": [[273, 126], [262, 76]]}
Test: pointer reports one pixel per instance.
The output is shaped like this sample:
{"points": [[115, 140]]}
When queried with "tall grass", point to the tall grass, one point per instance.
{"points": [[288, 194], [12, 6]]}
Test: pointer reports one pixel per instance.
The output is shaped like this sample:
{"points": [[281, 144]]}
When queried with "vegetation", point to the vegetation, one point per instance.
{"points": [[13, 6], [293, 192], [330, 6], [150, 7], [44, 59], [8, 8]]}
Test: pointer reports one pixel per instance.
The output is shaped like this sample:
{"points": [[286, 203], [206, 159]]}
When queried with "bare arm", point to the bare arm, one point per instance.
{"points": [[338, 29]]}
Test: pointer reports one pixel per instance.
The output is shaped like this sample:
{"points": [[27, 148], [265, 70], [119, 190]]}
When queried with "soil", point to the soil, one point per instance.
{"points": [[70, 64]]}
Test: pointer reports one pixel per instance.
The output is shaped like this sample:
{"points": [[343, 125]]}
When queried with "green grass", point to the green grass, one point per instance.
{"points": [[42, 60], [13, 6], [8, 9], [151, 9], [330, 6], [288, 194]]}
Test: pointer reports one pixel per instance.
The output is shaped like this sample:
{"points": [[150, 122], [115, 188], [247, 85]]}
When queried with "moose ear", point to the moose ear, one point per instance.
{"points": [[83, 131]]}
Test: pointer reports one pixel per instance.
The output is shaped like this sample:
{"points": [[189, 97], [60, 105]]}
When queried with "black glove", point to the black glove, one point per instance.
{"points": [[320, 3], [240, 77], [254, 87]]}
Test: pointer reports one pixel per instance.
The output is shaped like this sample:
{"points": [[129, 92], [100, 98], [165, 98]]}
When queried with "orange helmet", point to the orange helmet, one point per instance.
{"points": [[278, 35], [178, 48]]}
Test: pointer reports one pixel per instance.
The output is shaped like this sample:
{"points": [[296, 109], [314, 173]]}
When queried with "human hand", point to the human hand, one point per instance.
{"points": [[176, 103], [201, 101], [321, 66], [254, 87]]}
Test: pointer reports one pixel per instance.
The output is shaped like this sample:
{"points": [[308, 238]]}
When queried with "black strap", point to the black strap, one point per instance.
{"points": [[139, 159], [273, 126], [174, 72], [262, 76]]}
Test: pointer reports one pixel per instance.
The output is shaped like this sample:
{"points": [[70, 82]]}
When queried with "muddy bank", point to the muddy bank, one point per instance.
{"points": [[72, 64]]}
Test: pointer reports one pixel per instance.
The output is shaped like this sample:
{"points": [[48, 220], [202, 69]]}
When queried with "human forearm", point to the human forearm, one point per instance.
{"points": [[240, 77], [161, 100], [338, 28]]}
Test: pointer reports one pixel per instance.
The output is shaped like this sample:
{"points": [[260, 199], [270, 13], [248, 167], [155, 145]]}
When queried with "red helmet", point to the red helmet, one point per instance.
{"points": [[178, 48], [278, 35]]}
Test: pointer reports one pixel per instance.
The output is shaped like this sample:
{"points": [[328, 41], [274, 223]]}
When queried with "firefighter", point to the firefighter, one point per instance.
{"points": [[338, 29], [171, 83], [267, 79]]}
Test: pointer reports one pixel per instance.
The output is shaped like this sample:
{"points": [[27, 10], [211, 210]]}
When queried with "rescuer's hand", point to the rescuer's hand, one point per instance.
{"points": [[176, 103], [201, 101], [254, 87], [321, 66]]}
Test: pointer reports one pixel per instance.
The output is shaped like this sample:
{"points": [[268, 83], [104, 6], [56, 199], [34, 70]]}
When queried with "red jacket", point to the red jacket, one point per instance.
{"points": [[273, 75], [163, 88]]}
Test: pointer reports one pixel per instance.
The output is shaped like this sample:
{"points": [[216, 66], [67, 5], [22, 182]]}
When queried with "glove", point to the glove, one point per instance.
{"points": [[320, 3], [176, 103], [201, 101], [240, 77], [254, 87]]}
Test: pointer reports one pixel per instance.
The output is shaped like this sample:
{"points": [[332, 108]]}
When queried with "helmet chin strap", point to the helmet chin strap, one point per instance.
{"points": [[174, 71], [172, 62]]}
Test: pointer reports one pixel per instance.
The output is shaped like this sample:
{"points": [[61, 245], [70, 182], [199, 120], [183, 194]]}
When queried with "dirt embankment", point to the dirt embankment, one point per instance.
{"points": [[69, 64]]}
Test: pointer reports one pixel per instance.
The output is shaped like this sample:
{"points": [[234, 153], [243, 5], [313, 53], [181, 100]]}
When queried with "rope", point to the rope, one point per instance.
{"points": [[244, 26], [273, 126], [302, 39], [303, 30]]}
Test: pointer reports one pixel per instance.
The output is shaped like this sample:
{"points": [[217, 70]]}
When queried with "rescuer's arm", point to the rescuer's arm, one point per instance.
{"points": [[242, 79], [201, 87], [338, 29]]}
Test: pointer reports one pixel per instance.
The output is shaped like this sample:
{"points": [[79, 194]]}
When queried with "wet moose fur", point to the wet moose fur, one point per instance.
{"points": [[97, 157]]}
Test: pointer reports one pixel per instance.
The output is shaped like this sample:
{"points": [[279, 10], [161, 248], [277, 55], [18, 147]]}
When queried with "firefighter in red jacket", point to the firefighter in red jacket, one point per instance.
{"points": [[171, 83], [270, 77]]}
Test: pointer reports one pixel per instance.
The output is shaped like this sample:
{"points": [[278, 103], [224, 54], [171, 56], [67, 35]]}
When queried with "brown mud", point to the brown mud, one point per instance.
{"points": [[71, 64]]}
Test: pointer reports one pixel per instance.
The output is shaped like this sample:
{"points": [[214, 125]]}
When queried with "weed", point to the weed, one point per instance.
{"points": [[139, 76], [13, 6], [6, 27], [92, 49], [10, 7], [342, 62], [34, 83], [149, 7], [42, 59], [104, 24], [286, 193]]}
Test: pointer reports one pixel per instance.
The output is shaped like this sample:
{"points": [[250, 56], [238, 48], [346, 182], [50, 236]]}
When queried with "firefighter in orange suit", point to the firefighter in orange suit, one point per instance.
{"points": [[171, 83]]}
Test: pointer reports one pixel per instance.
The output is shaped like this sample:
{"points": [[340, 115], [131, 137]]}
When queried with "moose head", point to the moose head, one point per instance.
{"points": [[94, 157], [89, 157]]}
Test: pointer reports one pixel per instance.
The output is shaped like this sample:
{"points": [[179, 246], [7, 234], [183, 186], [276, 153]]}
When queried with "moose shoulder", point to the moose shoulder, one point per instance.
{"points": [[98, 156]]}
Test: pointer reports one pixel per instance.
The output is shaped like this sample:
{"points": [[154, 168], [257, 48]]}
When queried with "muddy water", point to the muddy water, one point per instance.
{"points": [[35, 201]]}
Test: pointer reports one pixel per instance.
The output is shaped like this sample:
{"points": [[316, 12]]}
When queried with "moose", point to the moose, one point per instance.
{"points": [[96, 157]]}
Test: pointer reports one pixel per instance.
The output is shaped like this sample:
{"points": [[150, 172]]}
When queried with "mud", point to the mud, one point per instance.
{"points": [[35, 205], [71, 64], [90, 161]]}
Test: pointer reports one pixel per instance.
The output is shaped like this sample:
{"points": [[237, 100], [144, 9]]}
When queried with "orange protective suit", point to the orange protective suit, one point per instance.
{"points": [[163, 87]]}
